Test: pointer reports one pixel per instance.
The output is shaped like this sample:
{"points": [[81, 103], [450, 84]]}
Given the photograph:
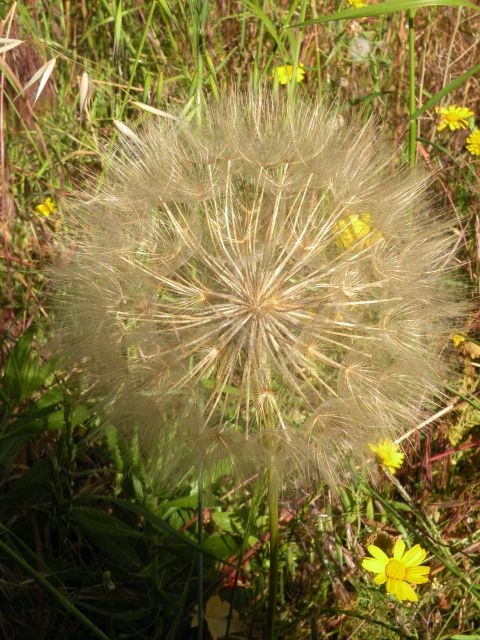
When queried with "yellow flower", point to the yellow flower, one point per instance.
{"points": [[457, 339], [389, 454], [355, 227], [357, 3], [46, 207], [473, 142], [400, 571], [284, 73], [453, 117]]}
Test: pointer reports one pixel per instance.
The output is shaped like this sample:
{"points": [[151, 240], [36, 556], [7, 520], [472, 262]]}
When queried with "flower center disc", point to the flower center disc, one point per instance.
{"points": [[395, 569]]}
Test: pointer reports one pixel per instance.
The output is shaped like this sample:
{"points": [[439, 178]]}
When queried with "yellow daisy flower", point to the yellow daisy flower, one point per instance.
{"points": [[389, 454], [284, 73], [353, 228], [473, 142], [357, 3], [457, 339], [400, 571], [453, 117], [46, 207]]}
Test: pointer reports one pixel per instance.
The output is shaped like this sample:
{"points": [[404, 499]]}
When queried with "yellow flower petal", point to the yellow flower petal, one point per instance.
{"points": [[473, 143], [417, 575], [453, 117], [377, 553], [400, 571], [46, 207], [398, 549], [373, 565], [392, 586], [284, 73], [457, 339], [389, 453], [405, 592], [415, 555]]}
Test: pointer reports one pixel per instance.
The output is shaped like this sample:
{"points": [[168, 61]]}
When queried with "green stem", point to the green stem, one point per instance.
{"points": [[53, 591], [200, 557], [411, 76], [273, 571]]}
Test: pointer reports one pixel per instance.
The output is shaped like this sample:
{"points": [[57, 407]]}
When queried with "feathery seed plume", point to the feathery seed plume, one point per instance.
{"points": [[265, 283]]}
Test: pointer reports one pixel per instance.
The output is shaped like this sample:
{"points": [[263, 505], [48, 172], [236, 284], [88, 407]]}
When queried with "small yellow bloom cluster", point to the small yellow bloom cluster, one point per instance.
{"points": [[400, 571], [473, 143], [455, 118], [389, 453], [357, 3], [457, 339], [46, 208], [284, 73], [355, 228]]}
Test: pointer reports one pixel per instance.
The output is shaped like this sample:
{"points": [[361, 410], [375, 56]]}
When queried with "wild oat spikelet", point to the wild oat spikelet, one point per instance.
{"points": [[264, 284]]}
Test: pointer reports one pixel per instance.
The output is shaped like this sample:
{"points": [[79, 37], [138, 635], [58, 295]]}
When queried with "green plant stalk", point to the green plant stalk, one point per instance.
{"points": [[66, 604], [411, 90], [274, 547], [200, 556]]}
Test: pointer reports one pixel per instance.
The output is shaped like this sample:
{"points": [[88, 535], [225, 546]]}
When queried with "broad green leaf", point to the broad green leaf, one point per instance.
{"points": [[101, 523], [155, 521], [110, 534], [385, 8]]}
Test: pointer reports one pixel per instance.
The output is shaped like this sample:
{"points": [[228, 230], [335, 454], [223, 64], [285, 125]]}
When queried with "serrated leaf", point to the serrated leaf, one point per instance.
{"points": [[23, 373]]}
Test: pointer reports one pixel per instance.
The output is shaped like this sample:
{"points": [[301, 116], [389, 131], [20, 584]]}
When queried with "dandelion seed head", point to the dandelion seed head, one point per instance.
{"points": [[264, 264]]}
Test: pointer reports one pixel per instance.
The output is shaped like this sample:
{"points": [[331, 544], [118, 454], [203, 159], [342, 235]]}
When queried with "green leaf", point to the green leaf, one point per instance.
{"points": [[221, 546], [451, 86], [156, 522], [461, 395], [103, 524], [108, 533], [268, 24], [31, 489], [385, 8], [23, 374]]}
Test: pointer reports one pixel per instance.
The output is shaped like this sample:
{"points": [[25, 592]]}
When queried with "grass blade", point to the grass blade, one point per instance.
{"points": [[451, 86], [69, 606], [384, 8]]}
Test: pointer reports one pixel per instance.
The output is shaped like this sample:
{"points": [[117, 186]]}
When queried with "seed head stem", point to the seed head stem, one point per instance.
{"points": [[274, 547]]}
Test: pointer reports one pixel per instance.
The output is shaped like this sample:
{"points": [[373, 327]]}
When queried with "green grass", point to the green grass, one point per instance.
{"points": [[90, 545]]}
